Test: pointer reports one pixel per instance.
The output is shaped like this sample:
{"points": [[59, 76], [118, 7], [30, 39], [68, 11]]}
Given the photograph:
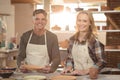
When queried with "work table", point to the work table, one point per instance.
{"points": [[20, 76]]}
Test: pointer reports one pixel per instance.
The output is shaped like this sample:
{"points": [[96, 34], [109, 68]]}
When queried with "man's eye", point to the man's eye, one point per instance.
{"points": [[36, 19]]}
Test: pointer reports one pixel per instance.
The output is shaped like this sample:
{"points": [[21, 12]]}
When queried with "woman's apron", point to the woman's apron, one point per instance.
{"points": [[81, 56], [37, 54]]}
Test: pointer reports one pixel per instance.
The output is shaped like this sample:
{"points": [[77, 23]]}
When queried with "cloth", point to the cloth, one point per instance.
{"points": [[52, 47], [37, 54], [81, 56]]}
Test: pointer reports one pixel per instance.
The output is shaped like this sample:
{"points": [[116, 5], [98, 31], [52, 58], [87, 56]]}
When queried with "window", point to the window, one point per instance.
{"points": [[67, 17]]}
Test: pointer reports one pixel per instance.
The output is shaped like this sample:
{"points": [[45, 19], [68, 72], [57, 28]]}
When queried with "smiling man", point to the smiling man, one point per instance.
{"points": [[39, 47]]}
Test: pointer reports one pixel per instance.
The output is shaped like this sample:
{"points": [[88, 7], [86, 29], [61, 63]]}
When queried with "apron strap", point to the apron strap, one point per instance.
{"points": [[30, 37], [45, 38]]}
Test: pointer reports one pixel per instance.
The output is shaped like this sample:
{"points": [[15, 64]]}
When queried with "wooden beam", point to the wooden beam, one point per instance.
{"points": [[26, 1], [114, 25]]}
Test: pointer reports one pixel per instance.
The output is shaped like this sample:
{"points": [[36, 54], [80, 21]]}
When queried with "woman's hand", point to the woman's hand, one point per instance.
{"points": [[80, 72], [67, 70]]}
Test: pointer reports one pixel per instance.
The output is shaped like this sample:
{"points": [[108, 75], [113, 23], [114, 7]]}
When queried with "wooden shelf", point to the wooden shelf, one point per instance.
{"points": [[1, 14], [112, 50], [110, 11], [109, 30], [26, 1]]}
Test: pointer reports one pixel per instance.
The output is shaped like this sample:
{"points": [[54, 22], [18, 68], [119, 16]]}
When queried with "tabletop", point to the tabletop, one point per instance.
{"points": [[8, 50], [20, 76]]}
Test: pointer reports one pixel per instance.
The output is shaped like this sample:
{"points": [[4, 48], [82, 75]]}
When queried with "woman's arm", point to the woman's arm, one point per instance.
{"points": [[100, 55]]}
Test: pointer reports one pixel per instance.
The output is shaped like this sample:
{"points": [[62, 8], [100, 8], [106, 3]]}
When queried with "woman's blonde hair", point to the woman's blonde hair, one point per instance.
{"points": [[92, 27]]}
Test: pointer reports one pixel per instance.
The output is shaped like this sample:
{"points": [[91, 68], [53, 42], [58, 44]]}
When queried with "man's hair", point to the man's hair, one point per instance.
{"points": [[38, 11]]}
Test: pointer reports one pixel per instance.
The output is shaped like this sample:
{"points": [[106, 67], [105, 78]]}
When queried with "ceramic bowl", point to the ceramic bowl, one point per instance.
{"points": [[6, 73]]}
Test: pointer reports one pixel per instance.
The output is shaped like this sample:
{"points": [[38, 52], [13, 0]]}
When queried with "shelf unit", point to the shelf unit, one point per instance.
{"points": [[112, 55], [112, 40]]}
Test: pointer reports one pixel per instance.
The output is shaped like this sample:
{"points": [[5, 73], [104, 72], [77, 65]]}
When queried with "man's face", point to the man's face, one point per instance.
{"points": [[39, 21]]}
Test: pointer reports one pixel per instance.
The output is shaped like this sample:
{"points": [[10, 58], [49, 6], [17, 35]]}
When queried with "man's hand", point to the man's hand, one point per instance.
{"points": [[26, 67], [46, 69]]}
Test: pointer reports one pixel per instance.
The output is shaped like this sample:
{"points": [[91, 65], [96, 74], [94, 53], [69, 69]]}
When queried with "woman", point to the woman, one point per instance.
{"points": [[85, 51]]}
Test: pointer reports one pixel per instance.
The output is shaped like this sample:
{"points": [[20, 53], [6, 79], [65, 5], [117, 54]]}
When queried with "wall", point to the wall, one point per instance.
{"points": [[5, 7], [23, 18], [10, 20], [7, 14]]}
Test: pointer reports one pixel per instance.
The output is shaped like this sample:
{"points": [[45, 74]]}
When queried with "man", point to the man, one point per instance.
{"points": [[39, 47]]}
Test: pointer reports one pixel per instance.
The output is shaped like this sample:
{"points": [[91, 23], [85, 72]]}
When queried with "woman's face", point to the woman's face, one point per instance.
{"points": [[83, 22], [39, 21]]}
